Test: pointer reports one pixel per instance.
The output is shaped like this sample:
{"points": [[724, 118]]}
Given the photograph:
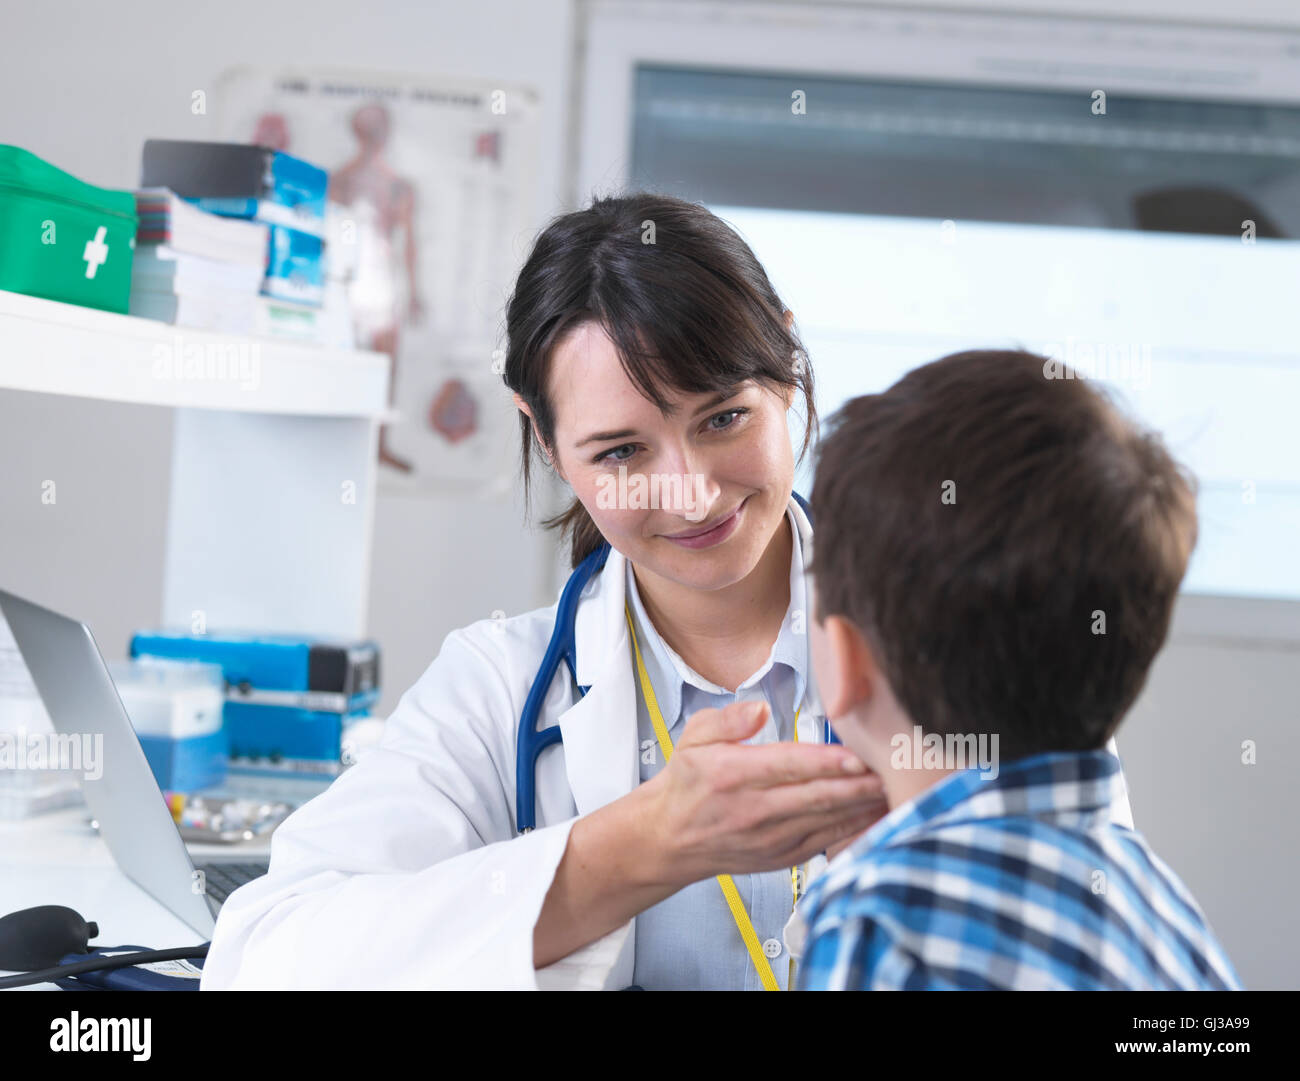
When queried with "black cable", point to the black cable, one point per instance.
{"points": [[95, 964]]}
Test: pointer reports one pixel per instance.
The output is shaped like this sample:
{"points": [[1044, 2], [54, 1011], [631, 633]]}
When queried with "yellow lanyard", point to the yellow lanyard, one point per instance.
{"points": [[737, 906]]}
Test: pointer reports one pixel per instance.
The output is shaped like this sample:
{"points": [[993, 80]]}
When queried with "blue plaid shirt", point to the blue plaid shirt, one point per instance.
{"points": [[1019, 882]]}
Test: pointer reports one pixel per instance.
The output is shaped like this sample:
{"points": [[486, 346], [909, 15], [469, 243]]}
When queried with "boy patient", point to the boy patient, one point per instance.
{"points": [[996, 559]]}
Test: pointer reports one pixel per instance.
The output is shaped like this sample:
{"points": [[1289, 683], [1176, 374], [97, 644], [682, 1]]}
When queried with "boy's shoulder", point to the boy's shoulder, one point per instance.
{"points": [[1016, 901]]}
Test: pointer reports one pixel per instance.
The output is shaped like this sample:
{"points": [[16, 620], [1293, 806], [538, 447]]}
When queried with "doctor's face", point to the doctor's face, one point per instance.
{"points": [[694, 497]]}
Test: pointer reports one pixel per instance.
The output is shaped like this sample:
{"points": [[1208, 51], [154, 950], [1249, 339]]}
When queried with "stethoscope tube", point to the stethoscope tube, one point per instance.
{"points": [[531, 742]]}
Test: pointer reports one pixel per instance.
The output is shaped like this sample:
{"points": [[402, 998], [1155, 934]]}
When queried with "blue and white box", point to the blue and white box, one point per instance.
{"points": [[295, 266], [289, 699], [176, 709]]}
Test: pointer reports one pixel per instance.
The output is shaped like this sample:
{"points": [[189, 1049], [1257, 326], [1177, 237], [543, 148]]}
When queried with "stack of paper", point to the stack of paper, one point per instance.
{"points": [[196, 269]]}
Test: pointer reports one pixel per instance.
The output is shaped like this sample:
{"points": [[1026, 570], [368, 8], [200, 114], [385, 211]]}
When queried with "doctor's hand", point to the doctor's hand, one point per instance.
{"points": [[721, 807]]}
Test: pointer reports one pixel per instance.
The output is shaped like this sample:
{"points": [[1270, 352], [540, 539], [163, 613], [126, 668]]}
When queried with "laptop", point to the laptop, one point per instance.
{"points": [[79, 695]]}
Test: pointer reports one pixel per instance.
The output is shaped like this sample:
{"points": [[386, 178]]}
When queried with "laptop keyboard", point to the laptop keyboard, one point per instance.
{"points": [[222, 879]]}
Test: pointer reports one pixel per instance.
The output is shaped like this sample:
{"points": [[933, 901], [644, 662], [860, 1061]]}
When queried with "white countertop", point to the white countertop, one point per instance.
{"points": [[57, 859]]}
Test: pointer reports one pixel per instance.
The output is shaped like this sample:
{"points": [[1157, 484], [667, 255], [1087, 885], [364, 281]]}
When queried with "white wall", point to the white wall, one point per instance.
{"points": [[1245, 13], [1228, 829]]}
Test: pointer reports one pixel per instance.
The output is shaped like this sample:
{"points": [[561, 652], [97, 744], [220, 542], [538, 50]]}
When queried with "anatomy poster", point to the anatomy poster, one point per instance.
{"points": [[431, 214]]}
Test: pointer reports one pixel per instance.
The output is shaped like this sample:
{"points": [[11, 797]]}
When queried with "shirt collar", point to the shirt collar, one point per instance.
{"points": [[1065, 787], [669, 673], [1069, 788]]}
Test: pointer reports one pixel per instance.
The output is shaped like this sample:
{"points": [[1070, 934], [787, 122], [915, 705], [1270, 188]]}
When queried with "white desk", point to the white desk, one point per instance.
{"points": [[57, 859]]}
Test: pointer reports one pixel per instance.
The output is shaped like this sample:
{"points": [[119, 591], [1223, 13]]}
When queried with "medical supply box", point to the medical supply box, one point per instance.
{"points": [[63, 239], [295, 267], [288, 698], [176, 710], [239, 180]]}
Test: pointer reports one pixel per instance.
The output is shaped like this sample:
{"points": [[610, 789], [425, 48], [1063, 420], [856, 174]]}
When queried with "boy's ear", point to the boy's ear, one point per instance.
{"points": [[850, 670]]}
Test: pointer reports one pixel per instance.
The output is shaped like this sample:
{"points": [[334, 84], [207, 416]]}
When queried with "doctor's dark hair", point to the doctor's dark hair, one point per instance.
{"points": [[682, 297], [1009, 545]]}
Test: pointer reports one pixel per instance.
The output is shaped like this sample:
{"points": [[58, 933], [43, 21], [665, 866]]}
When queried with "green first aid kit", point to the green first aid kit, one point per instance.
{"points": [[61, 238]]}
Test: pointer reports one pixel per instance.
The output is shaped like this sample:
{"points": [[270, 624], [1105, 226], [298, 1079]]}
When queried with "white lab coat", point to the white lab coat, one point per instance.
{"points": [[406, 872]]}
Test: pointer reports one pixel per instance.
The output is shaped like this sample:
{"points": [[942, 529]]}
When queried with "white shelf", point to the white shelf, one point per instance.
{"points": [[54, 348], [274, 444]]}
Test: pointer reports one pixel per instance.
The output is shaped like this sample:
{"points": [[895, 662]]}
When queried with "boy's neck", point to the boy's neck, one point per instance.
{"points": [[897, 746], [904, 785]]}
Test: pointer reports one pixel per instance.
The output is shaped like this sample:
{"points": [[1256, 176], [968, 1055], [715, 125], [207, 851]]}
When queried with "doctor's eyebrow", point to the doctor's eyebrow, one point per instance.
{"points": [[712, 403]]}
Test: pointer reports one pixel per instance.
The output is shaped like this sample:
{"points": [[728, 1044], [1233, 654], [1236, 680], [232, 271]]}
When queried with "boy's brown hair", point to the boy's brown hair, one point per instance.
{"points": [[1009, 545]]}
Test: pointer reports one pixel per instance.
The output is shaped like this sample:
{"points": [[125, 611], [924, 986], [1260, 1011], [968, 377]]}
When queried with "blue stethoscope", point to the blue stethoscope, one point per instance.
{"points": [[532, 742]]}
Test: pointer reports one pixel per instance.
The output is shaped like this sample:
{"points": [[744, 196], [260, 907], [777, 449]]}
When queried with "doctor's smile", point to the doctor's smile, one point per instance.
{"points": [[713, 534]]}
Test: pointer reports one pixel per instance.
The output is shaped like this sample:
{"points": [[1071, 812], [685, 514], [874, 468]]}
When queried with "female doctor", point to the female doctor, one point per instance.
{"points": [[644, 341]]}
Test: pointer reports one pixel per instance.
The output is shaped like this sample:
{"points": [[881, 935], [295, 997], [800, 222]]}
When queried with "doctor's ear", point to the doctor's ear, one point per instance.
{"points": [[541, 446]]}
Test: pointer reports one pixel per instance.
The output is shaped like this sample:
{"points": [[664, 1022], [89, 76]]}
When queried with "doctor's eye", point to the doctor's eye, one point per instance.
{"points": [[737, 413], [605, 456]]}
